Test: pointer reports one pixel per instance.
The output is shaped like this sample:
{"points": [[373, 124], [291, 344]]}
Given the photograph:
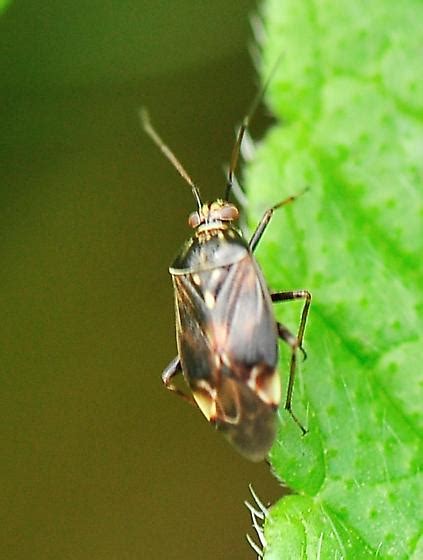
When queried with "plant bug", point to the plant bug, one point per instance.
{"points": [[227, 335]]}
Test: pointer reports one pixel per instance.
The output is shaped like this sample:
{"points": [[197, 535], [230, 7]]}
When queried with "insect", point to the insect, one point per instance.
{"points": [[227, 335]]}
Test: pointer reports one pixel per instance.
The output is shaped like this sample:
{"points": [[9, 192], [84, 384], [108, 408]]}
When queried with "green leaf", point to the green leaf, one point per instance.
{"points": [[3, 5], [350, 96]]}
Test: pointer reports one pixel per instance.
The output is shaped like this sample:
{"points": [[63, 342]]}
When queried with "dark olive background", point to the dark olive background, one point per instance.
{"points": [[98, 461]]}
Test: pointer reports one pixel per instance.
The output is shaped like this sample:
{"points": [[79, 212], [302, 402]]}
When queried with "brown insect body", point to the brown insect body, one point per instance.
{"points": [[226, 332], [227, 336]]}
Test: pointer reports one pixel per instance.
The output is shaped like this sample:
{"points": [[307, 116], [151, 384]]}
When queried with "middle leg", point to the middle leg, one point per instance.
{"points": [[169, 373], [293, 341]]}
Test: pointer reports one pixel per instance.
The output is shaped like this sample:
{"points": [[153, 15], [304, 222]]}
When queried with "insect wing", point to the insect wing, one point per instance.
{"points": [[244, 325], [192, 320], [252, 429], [228, 348]]}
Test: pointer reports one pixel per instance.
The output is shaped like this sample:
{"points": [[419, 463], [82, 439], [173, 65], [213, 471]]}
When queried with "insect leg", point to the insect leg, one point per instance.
{"points": [[267, 216], [290, 296], [291, 339], [294, 342], [170, 371]]}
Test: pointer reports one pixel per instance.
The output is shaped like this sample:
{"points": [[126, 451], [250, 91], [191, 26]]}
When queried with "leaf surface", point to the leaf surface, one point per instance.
{"points": [[349, 98]]}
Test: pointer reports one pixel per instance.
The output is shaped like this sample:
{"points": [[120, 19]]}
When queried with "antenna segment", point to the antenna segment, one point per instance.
{"points": [[150, 130]]}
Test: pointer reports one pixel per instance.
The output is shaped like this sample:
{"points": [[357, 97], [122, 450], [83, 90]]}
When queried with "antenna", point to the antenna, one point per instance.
{"points": [[149, 129], [245, 124]]}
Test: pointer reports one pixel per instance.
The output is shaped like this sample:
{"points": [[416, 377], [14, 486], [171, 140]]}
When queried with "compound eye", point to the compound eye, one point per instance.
{"points": [[228, 212], [194, 220]]}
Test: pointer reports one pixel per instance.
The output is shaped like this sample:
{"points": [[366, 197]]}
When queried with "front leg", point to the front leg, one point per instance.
{"points": [[267, 216], [171, 371]]}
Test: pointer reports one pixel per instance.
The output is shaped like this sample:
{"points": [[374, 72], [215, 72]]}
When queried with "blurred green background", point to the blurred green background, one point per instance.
{"points": [[98, 461]]}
